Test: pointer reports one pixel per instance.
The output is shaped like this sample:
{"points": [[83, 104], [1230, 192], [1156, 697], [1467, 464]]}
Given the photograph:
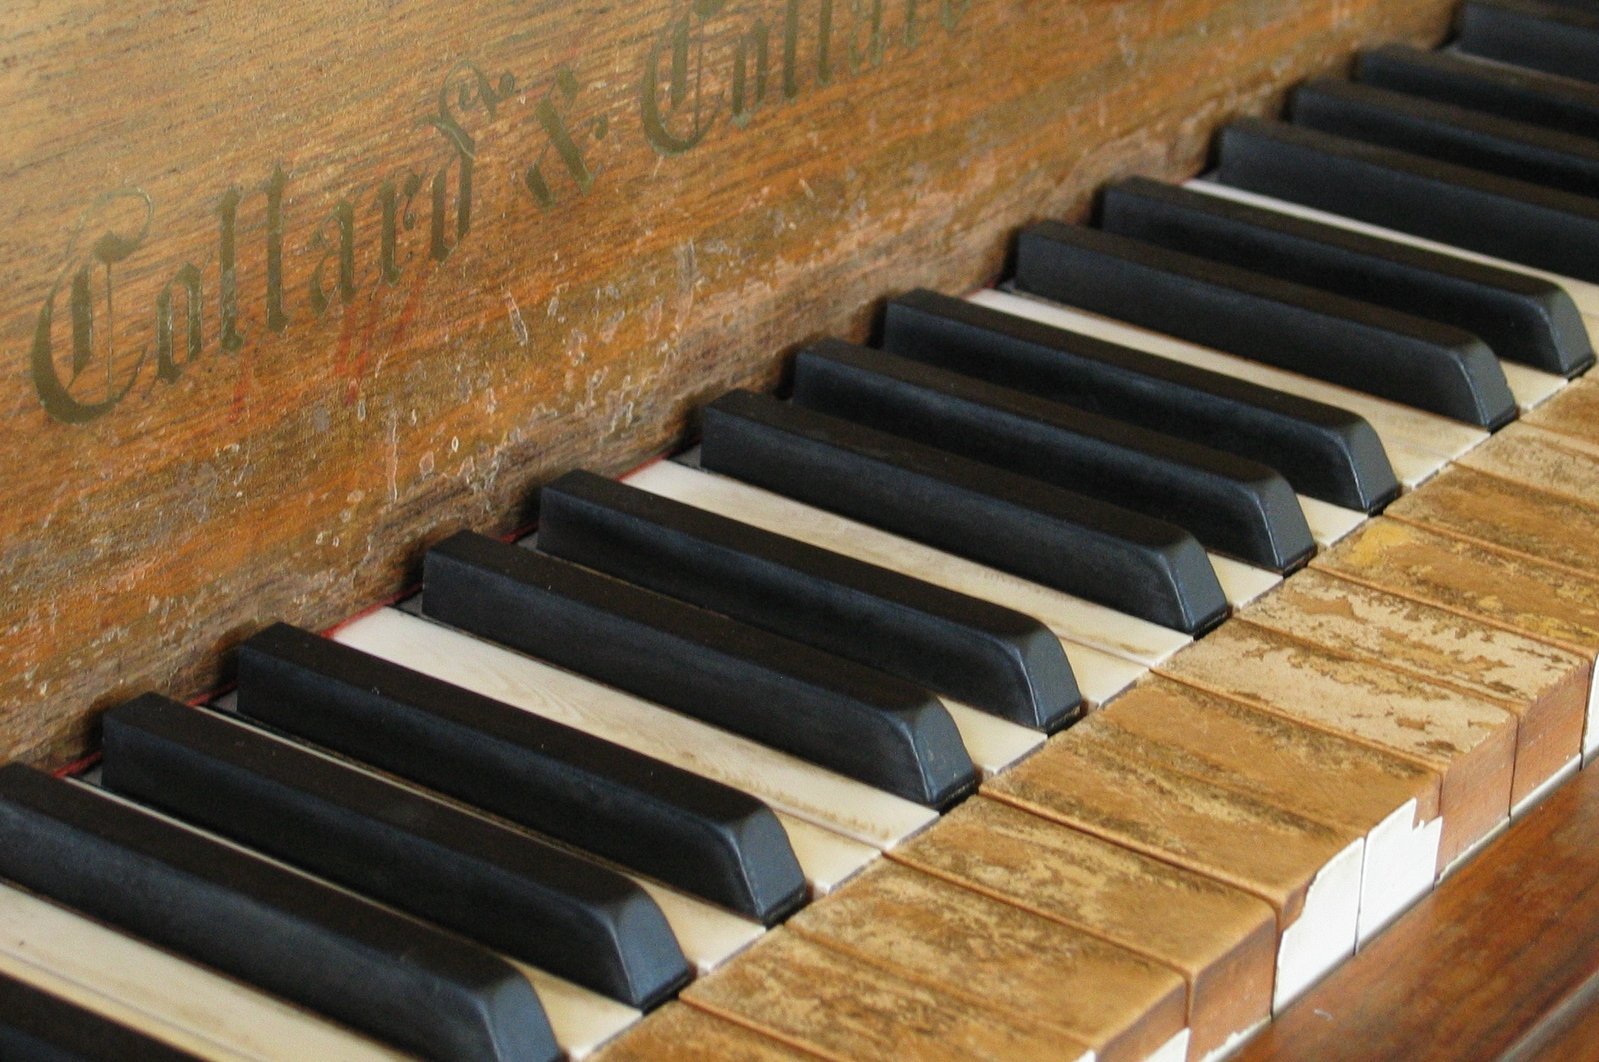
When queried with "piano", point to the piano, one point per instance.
{"points": [[779, 529]]}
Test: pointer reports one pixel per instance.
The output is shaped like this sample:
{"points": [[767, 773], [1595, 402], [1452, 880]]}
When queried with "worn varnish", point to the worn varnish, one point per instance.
{"points": [[680, 1033], [1038, 971], [790, 987], [1221, 939], [1470, 742], [1545, 686], [313, 287], [1500, 962]]}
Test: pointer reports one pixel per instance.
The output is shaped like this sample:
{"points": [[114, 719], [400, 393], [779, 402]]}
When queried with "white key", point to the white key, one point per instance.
{"points": [[1418, 443], [707, 935], [1328, 522], [1101, 676], [1584, 293], [161, 995], [1070, 618], [581, 1019], [1240, 582], [1531, 387], [992, 743], [786, 782]]}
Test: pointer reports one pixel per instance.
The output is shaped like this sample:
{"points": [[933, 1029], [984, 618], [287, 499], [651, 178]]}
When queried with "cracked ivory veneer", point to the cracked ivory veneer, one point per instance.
{"points": [[1470, 742], [1220, 939], [1390, 800], [1545, 686], [1542, 601], [1308, 871], [792, 988], [1037, 971]]}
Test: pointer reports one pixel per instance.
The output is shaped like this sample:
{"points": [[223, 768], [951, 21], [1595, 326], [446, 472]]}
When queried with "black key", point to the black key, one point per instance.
{"points": [[1553, 38], [379, 972], [40, 1027], [990, 657], [1509, 92], [698, 835], [1368, 348], [1522, 317], [523, 897], [1134, 563], [1325, 452], [857, 721], [1450, 134], [1482, 212], [1229, 503]]}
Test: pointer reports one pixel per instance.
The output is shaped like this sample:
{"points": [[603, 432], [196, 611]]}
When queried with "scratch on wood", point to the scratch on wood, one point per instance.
{"points": [[518, 326]]}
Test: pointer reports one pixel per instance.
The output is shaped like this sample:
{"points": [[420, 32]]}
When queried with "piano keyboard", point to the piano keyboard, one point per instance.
{"points": [[1082, 673]]}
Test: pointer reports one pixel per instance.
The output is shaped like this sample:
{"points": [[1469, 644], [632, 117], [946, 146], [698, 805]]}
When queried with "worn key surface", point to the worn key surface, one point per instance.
{"points": [[1532, 455], [1507, 515], [1392, 801], [1549, 603], [1309, 871], [681, 1033], [1574, 411], [1221, 939], [1469, 741], [825, 1001], [1545, 686], [1123, 1005]]}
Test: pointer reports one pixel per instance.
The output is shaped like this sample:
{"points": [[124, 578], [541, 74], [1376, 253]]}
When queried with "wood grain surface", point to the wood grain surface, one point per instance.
{"points": [[1039, 972], [1470, 742], [1545, 686], [1507, 515], [1562, 464], [1500, 962], [1098, 785], [1300, 768], [680, 1033], [812, 996], [1546, 602], [1574, 411], [1221, 939], [289, 291]]}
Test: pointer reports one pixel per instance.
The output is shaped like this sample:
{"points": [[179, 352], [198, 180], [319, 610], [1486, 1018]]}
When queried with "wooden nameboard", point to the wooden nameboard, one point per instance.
{"points": [[289, 291]]}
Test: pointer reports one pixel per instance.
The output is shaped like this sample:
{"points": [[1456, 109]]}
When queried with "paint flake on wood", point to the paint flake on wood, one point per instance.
{"points": [[1038, 971], [1221, 939], [1469, 741]]}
